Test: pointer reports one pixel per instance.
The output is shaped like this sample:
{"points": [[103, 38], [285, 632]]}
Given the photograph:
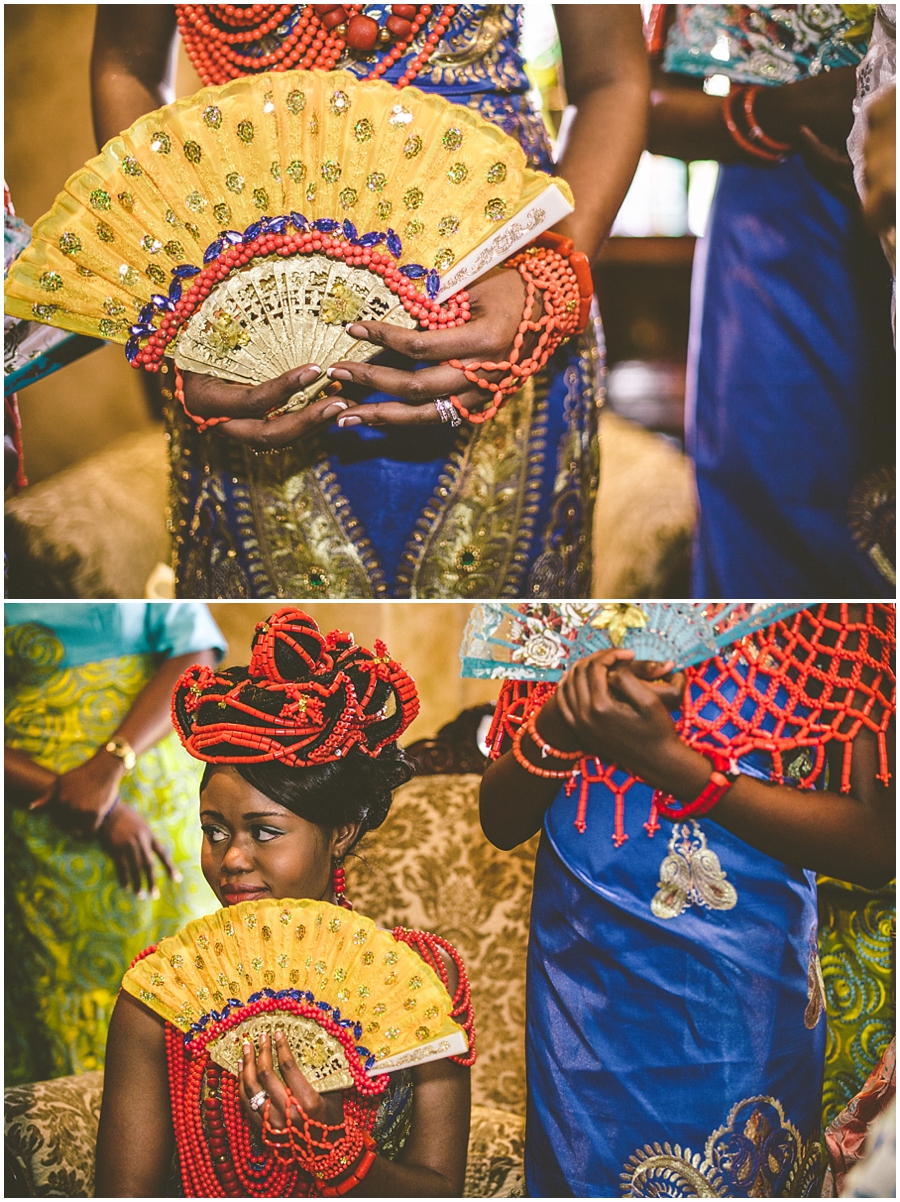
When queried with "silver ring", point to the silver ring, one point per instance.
{"points": [[258, 1100], [447, 411]]}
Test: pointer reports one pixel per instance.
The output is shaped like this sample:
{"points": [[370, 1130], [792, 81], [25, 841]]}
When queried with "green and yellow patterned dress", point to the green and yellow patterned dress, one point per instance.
{"points": [[72, 673], [856, 950]]}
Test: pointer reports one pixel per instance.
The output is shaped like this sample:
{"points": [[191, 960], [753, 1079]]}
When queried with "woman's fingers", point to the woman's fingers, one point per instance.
{"points": [[207, 396], [133, 867], [121, 866], [392, 413], [271, 434], [297, 1083], [165, 857], [146, 861], [640, 695], [427, 346], [417, 387]]}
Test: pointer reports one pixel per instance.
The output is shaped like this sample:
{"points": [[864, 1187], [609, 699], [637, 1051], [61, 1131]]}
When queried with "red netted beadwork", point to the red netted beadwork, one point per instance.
{"points": [[817, 677]]}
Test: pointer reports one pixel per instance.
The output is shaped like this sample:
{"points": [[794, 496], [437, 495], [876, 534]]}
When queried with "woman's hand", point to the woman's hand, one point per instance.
{"points": [[497, 302], [80, 799], [619, 711], [880, 154], [258, 1075], [131, 845], [249, 407]]}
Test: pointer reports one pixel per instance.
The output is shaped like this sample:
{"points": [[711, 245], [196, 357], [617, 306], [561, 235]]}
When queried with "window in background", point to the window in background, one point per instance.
{"points": [[667, 197]]}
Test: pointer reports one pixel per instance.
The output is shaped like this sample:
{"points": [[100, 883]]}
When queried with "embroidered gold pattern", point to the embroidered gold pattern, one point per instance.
{"points": [[691, 875], [756, 1154]]}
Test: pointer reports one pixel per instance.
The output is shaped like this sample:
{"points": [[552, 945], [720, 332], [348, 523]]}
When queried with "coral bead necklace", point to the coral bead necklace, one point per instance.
{"points": [[224, 41]]}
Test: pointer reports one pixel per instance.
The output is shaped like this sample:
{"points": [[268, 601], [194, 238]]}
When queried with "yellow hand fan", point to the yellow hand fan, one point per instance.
{"points": [[353, 1001], [243, 228]]}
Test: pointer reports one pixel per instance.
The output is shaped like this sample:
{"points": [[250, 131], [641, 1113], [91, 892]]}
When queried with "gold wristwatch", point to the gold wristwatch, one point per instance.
{"points": [[123, 751]]}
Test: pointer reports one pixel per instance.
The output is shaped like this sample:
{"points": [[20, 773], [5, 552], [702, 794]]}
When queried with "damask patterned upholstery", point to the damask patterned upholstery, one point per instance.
{"points": [[429, 866]]}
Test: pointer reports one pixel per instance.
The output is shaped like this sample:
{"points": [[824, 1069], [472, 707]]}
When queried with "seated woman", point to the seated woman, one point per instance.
{"points": [[302, 757], [675, 1029]]}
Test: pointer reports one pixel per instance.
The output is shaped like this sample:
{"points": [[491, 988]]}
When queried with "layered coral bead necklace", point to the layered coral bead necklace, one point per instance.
{"points": [[217, 37]]}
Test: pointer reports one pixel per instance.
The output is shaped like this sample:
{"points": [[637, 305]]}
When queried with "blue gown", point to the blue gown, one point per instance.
{"points": [[675, 1029], [502, 509], [790, 374]]}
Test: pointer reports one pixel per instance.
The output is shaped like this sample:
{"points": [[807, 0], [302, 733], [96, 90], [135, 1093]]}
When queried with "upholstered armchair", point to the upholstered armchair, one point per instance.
{"points": [[429, 866]]}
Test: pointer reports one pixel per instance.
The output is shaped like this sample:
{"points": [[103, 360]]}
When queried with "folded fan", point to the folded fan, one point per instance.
{"points": [[174, 237], [353, 1001], [540, 642]]}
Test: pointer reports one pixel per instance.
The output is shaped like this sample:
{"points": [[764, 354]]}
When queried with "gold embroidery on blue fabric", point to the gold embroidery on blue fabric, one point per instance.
{"points": [[473, 537], [563, 567], [691, 875], [756, 1154], [815, 985]]}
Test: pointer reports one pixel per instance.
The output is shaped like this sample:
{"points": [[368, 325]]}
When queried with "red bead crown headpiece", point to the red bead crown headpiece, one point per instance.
{"points": [[305, 698]]}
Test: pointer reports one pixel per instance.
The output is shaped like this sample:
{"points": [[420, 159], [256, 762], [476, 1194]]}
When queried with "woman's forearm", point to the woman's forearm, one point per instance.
{"points": [[24, 779], [150, 717], [607, 78], [846, 835], [132, 64], [686, 123], [513, 800]]}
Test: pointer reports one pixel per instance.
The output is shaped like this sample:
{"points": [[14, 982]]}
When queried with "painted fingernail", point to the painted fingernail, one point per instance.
{"points": [[177, 877], [155, 894], [142, 895], [350, 420], [247, 1047], [356, 331], [338, 373], [335, 409], [279, 1034]]}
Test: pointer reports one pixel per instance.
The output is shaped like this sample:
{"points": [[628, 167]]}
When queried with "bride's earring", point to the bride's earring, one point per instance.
{"points": [[340, 884]]}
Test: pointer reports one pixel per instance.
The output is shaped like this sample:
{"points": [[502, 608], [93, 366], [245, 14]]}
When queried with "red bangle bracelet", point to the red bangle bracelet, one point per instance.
{"points": [[358, 1175], [736, 136], [756, 131], [711, 795]]}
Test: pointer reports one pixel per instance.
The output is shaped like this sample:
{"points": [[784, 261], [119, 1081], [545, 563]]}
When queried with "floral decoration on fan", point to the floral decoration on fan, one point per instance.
{"points": [[509, 641], [242, 229]]}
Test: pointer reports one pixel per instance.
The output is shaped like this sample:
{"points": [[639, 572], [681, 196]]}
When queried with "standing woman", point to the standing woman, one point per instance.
{"points": [[675, 1027], [100, 851], [391, 501], [791, 370]]}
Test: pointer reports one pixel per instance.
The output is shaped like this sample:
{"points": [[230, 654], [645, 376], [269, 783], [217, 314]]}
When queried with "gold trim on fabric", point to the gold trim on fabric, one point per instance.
{"points": [[756, 1152], [473, 537]]}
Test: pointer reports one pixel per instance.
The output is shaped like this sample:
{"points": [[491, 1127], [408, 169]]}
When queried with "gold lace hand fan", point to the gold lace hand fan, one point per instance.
{"points": [[243, 228], [353, 1002]]}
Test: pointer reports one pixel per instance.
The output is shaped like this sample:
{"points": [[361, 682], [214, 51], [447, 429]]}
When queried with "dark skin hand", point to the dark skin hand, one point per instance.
{"points": [[607, 77], [814, 115], [880, 154], [83, 800], [603, 707]]}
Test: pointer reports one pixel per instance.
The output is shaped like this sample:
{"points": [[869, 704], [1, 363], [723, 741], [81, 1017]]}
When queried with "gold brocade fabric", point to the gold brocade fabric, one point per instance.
{"points": [[71, 930], [510, 514]]}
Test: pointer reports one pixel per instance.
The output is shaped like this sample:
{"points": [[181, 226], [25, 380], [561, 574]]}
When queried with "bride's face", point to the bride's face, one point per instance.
{"points": [[253, 848]]}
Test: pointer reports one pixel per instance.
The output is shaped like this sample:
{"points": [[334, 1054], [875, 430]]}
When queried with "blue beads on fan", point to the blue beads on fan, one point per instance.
{"points": [[394, 245]]}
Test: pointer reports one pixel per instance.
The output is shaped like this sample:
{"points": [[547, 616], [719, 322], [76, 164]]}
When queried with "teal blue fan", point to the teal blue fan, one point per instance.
{"points": [[525, 641]]}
